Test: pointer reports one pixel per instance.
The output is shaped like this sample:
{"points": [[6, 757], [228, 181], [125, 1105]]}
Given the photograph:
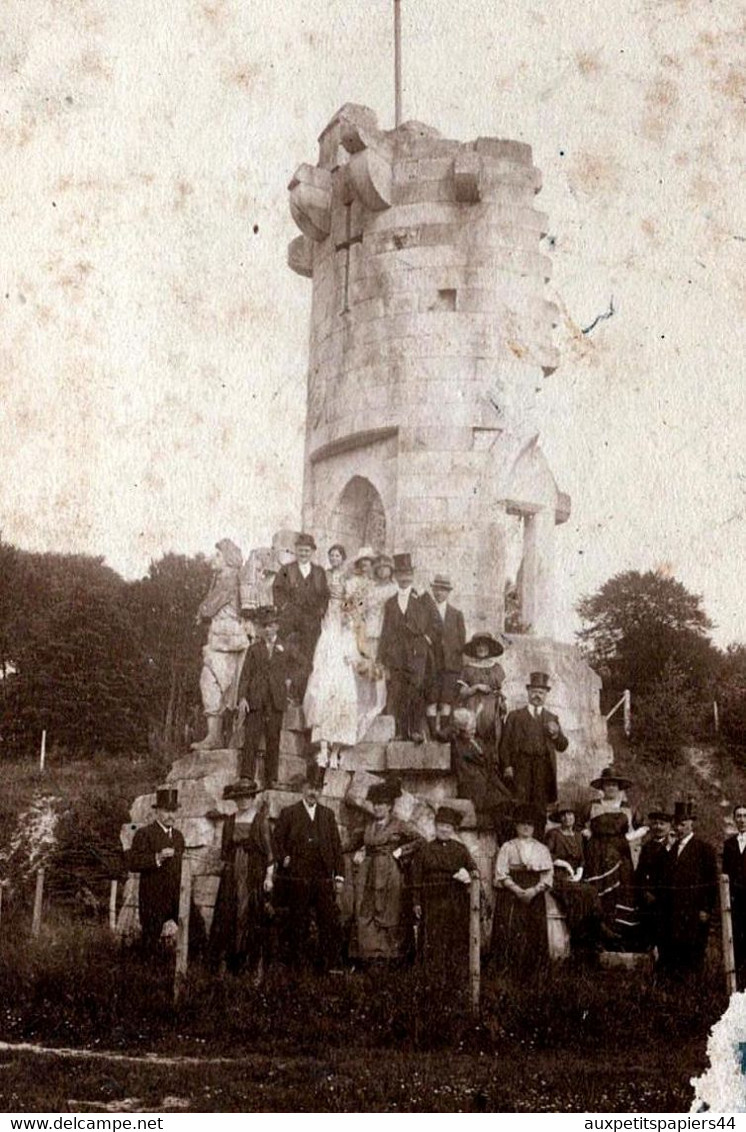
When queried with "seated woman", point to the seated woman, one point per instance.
{"points": [[382, 910], [608, 859], [493, 801], [480, 689], [238, 934], [578, 899], [442, 872], [523, 873]]}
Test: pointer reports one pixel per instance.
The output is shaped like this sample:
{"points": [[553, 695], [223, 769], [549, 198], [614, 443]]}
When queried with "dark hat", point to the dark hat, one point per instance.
{"points": [[685, 810], [304, 539], [383, 560], [525, 814], [658, 813], [539, 680], [242, 788], [265, 615], [608, 774], [403, 564], [166, 798], [448, 816], [496, 649], [442, 581], [384, 792]]}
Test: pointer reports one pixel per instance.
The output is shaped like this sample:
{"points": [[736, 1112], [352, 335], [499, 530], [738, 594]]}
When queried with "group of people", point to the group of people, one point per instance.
{"points": [[356, 640], [280, 884]]}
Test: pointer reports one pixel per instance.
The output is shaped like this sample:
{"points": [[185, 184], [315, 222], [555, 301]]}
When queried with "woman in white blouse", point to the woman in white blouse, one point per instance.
{"points": [[523, 873]]}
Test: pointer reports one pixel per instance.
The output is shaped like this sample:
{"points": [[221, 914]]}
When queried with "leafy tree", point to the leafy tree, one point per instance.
{"points": [[163, 606], [668, 715], [639, 625], [731, 694]]}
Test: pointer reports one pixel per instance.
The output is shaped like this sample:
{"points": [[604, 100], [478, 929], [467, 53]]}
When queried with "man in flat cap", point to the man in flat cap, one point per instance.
{"points": [[527, 756], [301, 595], [448, 639], [156, 853]]}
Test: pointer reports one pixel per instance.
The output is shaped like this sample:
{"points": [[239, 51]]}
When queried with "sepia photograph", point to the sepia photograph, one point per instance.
{"points": [[372, 636]]}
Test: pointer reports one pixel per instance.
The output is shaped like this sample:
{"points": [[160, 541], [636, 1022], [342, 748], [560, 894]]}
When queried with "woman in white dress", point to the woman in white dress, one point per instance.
{"points": [[330, 704]]}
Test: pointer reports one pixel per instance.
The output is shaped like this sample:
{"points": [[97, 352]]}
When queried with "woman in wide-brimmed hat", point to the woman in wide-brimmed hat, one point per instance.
{"points": [[480, 690], [609, 864], [238, 934]]}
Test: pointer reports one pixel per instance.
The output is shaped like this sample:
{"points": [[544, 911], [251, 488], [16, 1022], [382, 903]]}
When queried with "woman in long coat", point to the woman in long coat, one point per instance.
{"points": [[382, 912], [238, 932], [608, 857], [442, 872]]}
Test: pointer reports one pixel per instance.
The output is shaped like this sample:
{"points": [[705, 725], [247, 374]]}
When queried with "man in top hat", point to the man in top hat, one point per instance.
{"points": [[156, 853], [448, 635], [301, 595], [404, 650], [263, 692], [650, 869], [309, 851], [528, 745], [689, 894], [734, 867]]}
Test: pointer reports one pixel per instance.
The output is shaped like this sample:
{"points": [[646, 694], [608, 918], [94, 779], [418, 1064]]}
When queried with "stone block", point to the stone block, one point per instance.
{"points": [[293, 743], [205, 890], [278, 799], [436, 791], [290, 767], [381, 730], [435, 757], [364, 756], [360, 784], [336, 783], [127, 832], [467, 168], [194, 797], [293, 719], [200, 764], [196, 831]]}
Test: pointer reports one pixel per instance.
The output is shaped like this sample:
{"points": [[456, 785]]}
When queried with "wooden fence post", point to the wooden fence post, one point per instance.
{"points": [[475, 943], [182, 937], [113, 905], [729, 961], [38, 897]]}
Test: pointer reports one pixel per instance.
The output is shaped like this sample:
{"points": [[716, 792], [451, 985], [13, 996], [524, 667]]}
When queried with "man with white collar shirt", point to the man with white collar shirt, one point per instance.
{"points": [[309, 851], [156, 853], [448, 638], [688, 894], [301, 595], [734, 867]]}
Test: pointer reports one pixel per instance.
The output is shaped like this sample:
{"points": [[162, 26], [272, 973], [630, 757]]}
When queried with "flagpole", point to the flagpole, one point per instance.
{"points": [[397, 62]]}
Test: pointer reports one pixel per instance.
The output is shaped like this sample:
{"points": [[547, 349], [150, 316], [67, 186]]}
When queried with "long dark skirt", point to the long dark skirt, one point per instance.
{"points": [[519, 931], [239, 925]]}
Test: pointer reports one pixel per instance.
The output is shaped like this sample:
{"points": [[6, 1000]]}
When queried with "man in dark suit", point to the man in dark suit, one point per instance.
{"points": [[448, 635], [527, 756], [309, 852], [649, 873], [405, 652], [734, 867], [262, 694], [301, 595], [689, 895], [156, 853]]}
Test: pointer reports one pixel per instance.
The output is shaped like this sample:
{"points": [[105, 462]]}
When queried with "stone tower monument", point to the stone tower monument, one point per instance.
{"points": [[430, 338]]}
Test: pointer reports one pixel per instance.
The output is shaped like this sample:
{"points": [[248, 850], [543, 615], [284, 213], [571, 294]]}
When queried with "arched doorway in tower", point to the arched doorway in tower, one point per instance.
{"points": [[359, 519]]}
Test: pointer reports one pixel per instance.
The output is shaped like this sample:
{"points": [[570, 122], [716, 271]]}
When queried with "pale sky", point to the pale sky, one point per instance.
{"points": [[153, 346]]}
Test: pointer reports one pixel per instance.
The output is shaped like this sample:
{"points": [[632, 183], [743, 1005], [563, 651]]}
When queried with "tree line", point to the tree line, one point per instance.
{"points": [[103, 664], [100, 663]]}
